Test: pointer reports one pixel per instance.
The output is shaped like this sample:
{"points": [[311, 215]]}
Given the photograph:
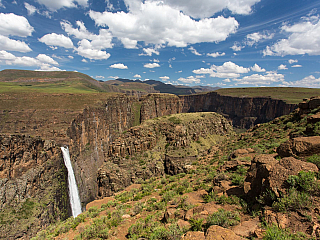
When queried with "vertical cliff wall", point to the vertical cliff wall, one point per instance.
{"points": [[91, 134], [33, 186], [94, 131], [243, 112]]}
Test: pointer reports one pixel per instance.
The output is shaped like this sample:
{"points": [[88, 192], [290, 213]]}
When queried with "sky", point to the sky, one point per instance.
{"points": [[234, 43]]}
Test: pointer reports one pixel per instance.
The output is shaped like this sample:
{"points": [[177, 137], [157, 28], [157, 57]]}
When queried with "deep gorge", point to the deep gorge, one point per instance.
{"points": [[93, 134]]}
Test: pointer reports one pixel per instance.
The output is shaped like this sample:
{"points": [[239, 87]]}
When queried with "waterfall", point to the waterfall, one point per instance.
{"points": [[73, 188]]}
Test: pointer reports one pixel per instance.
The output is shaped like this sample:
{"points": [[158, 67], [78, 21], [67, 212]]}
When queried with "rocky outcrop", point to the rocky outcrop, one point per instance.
{"points": [[300, 146], [33, 186], [92, 133], [243, 111], [158, 105], [267, 173], [165, 145], [308, 105]]}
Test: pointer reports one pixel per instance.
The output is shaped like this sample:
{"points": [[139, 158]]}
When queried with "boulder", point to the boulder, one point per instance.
{"points": [[267, 173], [300, 146], [216, 232], [247, 228], [314, 118], [238, 152], [193, 236]]}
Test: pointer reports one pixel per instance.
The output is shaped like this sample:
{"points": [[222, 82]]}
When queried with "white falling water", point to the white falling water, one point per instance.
{"points": [[73, 188]]}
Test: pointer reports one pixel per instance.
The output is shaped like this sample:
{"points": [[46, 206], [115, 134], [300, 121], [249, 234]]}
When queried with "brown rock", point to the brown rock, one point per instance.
{"points": [[301, 146], [314, 118], [238, 152], [268, 173], [247, 228], [216, 232], [183, 224], [194, 236]]}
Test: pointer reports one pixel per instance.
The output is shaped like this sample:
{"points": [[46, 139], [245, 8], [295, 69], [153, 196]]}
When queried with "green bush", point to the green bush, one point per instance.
{"points": [[196, 224], [273, 232], [174, 120], [223, 218], [152, 229], [293, 200], [304, 181], [315, 159]]}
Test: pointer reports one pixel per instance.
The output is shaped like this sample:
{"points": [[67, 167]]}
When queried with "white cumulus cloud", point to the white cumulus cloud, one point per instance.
{"points": [[43, 61], [101, 41], [291, 61], [190, 80], [257, 37], [282, 67], [85, 49], [46, 59], [257, 68], [310, 81], [119, 66], [216, 54], [237, 47], [150, 51], [151, 65], [158, 23], [296, 66], [53, 39], [165, 78], [13, 45], [194, 51], [31, 9], [14, 25], [54, 5], [227, 70], [207, 8], [304, 38], [137, 76], [47, 67], [261, 80]]}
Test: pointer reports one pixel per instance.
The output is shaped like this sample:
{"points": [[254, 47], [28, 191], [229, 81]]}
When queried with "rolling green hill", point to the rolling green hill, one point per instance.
{"points": [[288, 94]]}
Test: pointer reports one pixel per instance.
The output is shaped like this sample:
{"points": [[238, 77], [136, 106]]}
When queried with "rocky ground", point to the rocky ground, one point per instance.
{"points": [[261, 184]]}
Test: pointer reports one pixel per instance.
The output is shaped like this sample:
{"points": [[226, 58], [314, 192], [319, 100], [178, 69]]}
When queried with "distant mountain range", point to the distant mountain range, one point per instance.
{"points": [[159, 86], [75, 82]]}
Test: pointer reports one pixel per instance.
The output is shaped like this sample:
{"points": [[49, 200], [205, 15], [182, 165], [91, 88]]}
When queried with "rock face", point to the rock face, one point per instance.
{"points": [[33, 186], [244, 112], [94, 133], [165, 145], [300, 146], [267, 173]]}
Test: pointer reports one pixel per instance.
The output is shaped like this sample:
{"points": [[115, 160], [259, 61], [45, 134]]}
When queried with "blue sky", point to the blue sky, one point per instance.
{"points": [[235, 43]]}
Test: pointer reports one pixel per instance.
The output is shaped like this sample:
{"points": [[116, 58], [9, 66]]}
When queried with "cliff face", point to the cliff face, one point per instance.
{"points": [[91, 134], [244, 112], [94, 133], [162, 145], [158, 105], [33, 186]]}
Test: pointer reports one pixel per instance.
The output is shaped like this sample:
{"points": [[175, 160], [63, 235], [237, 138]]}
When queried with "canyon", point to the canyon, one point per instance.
{"points": [[104, 160]]}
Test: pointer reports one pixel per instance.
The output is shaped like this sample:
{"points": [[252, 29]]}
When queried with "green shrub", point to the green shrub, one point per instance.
{"points": [[152, 229], [196, 224], [315, 159], [174, 120], [223, 218], [304, 181], [237, 179], [293, 200], [213, 197], [273, 232]]}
